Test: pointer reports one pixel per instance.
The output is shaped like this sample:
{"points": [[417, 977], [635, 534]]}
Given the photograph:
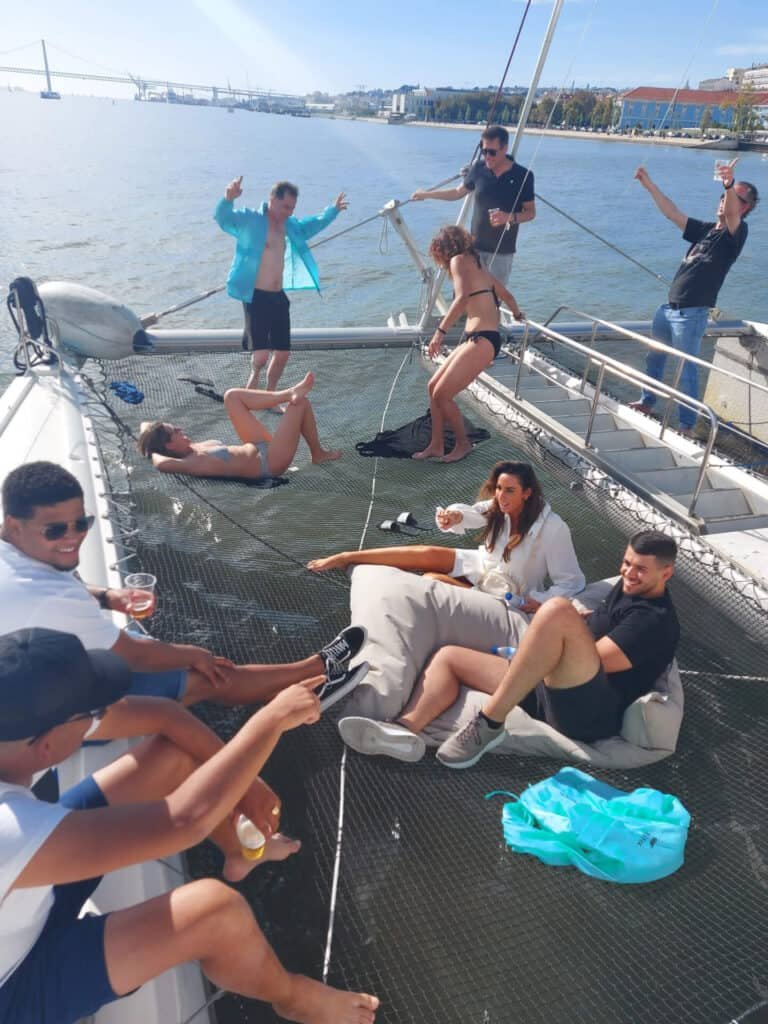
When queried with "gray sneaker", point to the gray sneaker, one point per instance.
{"points": [[468, 745]]}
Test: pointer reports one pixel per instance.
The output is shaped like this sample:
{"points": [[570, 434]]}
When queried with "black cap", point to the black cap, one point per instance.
{"points": [[47, 677]]}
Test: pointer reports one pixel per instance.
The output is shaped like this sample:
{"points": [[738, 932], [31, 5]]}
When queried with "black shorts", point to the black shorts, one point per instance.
{"points": [[493, 336], [592, 711], [267, 321]]}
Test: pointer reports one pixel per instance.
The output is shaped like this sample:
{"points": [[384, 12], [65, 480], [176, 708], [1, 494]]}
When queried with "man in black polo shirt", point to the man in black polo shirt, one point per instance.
{"points": [[504, 199], [715, 245], [593, 667]]}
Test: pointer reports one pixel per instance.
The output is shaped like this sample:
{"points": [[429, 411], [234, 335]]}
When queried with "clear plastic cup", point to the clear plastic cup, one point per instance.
{"points": [[491, 213], [719, 165], [143, 596]]}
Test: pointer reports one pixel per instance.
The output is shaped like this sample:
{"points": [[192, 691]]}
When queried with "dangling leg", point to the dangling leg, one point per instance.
{"points": [[414, 558]]}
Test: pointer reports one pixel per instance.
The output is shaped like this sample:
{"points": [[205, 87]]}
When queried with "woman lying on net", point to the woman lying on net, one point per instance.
{"points": [[260, 455], [524, 542], [478, 294]]}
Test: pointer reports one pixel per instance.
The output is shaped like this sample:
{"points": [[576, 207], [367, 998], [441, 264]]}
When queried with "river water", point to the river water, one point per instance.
{"points": [[119, 196]]}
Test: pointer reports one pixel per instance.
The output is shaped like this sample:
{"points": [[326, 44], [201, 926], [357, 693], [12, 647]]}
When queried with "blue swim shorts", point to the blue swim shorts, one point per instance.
{"points": [[64, 976], [171, 683]]}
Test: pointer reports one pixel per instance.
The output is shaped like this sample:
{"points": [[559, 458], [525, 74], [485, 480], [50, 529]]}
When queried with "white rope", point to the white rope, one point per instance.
{"points": [[343, 765]]}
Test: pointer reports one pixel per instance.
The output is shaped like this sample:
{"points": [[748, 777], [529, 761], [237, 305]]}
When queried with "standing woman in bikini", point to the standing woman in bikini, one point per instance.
{"points": [[260, 455], [478, 294]]}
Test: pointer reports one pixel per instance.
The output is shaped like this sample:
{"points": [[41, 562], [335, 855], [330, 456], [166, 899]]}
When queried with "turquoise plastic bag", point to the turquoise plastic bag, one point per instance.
{"points": [[574, 820]]}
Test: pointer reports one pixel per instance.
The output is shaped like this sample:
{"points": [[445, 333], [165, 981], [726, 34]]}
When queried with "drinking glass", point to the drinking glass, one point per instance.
{"points": [[142, 599]]}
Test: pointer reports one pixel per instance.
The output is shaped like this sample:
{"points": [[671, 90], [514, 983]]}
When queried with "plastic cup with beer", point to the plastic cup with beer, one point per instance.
{"points": [[491, 212], [143, 596], [719, 166]]}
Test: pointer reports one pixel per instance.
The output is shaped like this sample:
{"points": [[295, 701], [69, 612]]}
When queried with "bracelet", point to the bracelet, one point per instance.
{"points": [[101, 597], [729, 185], [441, 329]]}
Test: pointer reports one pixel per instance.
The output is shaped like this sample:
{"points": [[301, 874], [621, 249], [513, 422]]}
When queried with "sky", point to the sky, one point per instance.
{"points": [[303, 45]]}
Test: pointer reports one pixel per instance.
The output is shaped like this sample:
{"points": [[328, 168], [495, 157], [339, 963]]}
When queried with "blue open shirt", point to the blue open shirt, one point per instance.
{"points": [[249, 229]]}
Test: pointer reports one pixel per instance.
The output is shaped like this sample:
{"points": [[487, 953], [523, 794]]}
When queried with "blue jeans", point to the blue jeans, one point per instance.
{"points": [[682, 329]]}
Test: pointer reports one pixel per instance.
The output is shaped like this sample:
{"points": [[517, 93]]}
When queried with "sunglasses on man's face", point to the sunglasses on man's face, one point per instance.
{"points": [[489, 152], [55, 531]]}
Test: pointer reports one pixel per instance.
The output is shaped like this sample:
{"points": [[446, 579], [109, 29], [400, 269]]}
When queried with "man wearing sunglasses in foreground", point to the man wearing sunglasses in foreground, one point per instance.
{"points": [[44, 526], [504, 198], [715, 245], [57, 967]]}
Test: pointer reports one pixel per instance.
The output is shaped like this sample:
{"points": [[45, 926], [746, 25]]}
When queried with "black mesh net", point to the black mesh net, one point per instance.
{"points": [[434, 914]]}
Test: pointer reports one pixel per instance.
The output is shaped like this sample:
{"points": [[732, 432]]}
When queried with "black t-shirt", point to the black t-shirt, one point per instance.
{"points": [[508, 192], [701, 274], [646, 630]]}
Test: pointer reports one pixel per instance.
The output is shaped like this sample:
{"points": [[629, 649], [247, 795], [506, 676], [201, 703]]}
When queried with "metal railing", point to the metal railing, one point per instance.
{"points": [[657, 346], [607, 364]]}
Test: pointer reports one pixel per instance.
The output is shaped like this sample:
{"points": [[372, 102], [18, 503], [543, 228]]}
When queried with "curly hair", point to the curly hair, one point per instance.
{"points": [[153, 438], [37, 485], [451, 241], [534, 504]]}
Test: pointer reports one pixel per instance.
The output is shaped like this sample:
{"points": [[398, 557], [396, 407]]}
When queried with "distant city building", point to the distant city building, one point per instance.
{"points": [[723, 84], [419, 102], [756, 77], [651, 108]]}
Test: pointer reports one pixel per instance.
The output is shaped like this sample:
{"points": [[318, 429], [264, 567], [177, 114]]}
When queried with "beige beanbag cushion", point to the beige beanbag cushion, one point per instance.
{"points": [[409, 617]]}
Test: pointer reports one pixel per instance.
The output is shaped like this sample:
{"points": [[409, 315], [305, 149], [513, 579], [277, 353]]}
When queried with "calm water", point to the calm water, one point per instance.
{"points": [[119, 196]]}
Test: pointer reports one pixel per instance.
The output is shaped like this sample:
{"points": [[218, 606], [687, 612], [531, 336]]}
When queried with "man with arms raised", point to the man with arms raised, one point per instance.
{"points": [[579, 673], [504, 199], [271, 256], [57, 968], [44, 526], [715, 245]]}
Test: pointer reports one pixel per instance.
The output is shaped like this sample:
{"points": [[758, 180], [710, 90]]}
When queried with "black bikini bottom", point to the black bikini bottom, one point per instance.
{"points": [[493, 336]]}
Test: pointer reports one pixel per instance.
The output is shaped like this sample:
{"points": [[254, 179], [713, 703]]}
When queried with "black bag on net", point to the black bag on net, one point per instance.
{"points": [[403, 442]]}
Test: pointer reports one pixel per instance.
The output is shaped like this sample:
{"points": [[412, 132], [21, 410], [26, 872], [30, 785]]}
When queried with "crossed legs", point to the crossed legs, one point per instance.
{"points": [[556, 647], [298, 421]]}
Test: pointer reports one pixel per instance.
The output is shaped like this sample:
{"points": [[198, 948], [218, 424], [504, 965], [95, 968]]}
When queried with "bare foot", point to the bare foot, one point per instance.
{"points": [[302, 389], [327, 455], [314, 1003], [429, 453], [331, 562], [458, 453], [279, 847]]}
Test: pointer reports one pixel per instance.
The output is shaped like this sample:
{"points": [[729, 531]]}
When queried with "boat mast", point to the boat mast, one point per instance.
{"points": [[47, 72], [526, 108]]}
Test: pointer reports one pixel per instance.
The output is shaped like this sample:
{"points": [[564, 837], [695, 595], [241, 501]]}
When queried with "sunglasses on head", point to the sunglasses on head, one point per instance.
{"points": [[55, 531], [487, 151], [93, 716]]}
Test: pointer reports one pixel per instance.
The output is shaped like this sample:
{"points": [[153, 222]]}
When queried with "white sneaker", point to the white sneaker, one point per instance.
{"points": [[367, 736]]}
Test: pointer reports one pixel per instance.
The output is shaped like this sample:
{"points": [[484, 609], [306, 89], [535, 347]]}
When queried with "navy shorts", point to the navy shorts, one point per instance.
{"points": [[64, 976], [592, 711], [171, 683], [267, 321]]}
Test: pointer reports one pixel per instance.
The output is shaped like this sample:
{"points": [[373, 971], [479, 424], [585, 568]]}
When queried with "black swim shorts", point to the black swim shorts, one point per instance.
{"points": [[592, 711], [267, 321]]}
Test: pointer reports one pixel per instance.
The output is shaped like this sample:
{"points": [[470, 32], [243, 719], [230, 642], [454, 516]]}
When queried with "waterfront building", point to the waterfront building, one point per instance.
{"points": [[651, 108]]}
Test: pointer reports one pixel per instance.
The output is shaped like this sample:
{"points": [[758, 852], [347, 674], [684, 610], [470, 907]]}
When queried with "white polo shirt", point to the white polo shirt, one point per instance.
{"points": [[25, 824], [35, 594]]}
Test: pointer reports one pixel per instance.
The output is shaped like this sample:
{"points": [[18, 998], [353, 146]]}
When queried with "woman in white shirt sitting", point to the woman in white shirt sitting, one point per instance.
{"points": [[523, 543]]}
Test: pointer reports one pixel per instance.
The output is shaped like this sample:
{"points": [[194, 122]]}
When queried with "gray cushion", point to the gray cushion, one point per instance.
{"points": [[409, 617]]}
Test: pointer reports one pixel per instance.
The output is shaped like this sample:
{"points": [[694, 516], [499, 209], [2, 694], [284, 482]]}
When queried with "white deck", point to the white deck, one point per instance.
{"points": [[41, 417]]}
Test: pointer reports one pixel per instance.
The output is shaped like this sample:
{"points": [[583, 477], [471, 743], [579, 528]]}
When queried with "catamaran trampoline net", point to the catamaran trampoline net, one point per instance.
{"points": [[434, 913]]}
